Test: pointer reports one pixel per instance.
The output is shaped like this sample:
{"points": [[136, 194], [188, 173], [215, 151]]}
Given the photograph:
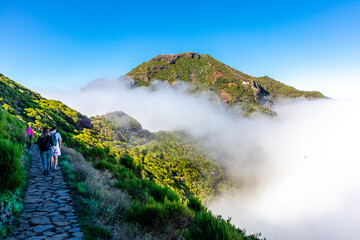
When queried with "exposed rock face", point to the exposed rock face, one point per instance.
{"points": [[215, 75], [84, 122], [146, 72], [261, 95], [171, 59]]}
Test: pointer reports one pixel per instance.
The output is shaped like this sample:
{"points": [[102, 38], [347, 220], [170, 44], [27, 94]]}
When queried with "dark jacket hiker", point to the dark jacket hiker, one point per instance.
{"points": [[45, 143]]}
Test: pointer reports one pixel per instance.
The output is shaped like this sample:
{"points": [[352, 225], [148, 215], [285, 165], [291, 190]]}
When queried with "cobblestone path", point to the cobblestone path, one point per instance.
{"points": [[48, 211]]}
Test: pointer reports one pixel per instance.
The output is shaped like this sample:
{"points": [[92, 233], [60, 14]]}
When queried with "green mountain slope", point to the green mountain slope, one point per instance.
{"points": [[277, 89], [29, 106], [162, 173], [166, 157], [206, 73]]}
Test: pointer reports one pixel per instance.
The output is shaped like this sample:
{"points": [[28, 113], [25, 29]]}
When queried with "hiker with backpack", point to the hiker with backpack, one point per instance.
{"points": [[46, 144], [30, 133], [57, 141]]}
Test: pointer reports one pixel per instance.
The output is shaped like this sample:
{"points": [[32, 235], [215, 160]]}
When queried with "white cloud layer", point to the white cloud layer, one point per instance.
{"points": [[300, 170]]}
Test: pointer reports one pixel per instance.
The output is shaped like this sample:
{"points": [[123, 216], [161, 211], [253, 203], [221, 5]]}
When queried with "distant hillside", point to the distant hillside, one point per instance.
{"points": [[206, 73], [169, 158]]}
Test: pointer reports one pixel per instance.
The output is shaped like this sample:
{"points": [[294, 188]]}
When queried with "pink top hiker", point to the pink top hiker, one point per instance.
{"points": [[30, 131]]}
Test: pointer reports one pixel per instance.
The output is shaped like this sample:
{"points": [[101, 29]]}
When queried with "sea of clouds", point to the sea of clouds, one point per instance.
{"points": [[300, 170]]}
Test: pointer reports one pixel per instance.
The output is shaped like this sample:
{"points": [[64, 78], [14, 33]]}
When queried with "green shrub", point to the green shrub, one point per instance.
{"points": [[95, 153], [205, 226], [68, 139], [12, 173], [160, 193], [155, 213], [128, 162], [80, 187], [173, 209], [123, 173], [11, 128], [97, 232], [195, 204], [104, 165], [12, 137], [134, 187], [111, 158], [103, 206], [10, 207], [8, 108], [144, 214]]}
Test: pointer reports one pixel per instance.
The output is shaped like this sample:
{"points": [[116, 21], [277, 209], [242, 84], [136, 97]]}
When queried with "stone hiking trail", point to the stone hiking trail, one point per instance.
{"points": [[48, 211]]}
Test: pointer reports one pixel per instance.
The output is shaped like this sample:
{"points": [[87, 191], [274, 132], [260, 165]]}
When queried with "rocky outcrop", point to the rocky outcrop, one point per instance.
{"points": [[145, 72], [261, 95], [171, 59], [84, 122]]}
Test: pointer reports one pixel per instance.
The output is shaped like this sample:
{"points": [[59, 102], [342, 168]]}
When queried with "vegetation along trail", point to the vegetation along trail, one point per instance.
{"points": [[48, 211]]}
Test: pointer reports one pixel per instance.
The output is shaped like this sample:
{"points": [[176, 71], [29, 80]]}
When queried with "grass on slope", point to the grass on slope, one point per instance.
{"points": [[12, 139], [137, 208], [12, 174], [29, 106], [99, 204], [280, 90]]}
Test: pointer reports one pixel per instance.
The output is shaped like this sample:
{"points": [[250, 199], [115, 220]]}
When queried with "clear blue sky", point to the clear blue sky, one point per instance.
{"points": [[307, 44]]}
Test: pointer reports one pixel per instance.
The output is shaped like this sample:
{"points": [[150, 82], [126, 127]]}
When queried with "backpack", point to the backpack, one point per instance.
{"points": [[53, 137], [44, 143]]}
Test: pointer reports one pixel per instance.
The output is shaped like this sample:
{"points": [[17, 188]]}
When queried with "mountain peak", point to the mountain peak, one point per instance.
{"points": [[206, 73], [171, 59]]}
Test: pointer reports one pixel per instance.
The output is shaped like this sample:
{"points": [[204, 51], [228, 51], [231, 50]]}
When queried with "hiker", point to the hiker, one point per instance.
{"points": [[46, 144], [30, 133], [57, 141]]}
